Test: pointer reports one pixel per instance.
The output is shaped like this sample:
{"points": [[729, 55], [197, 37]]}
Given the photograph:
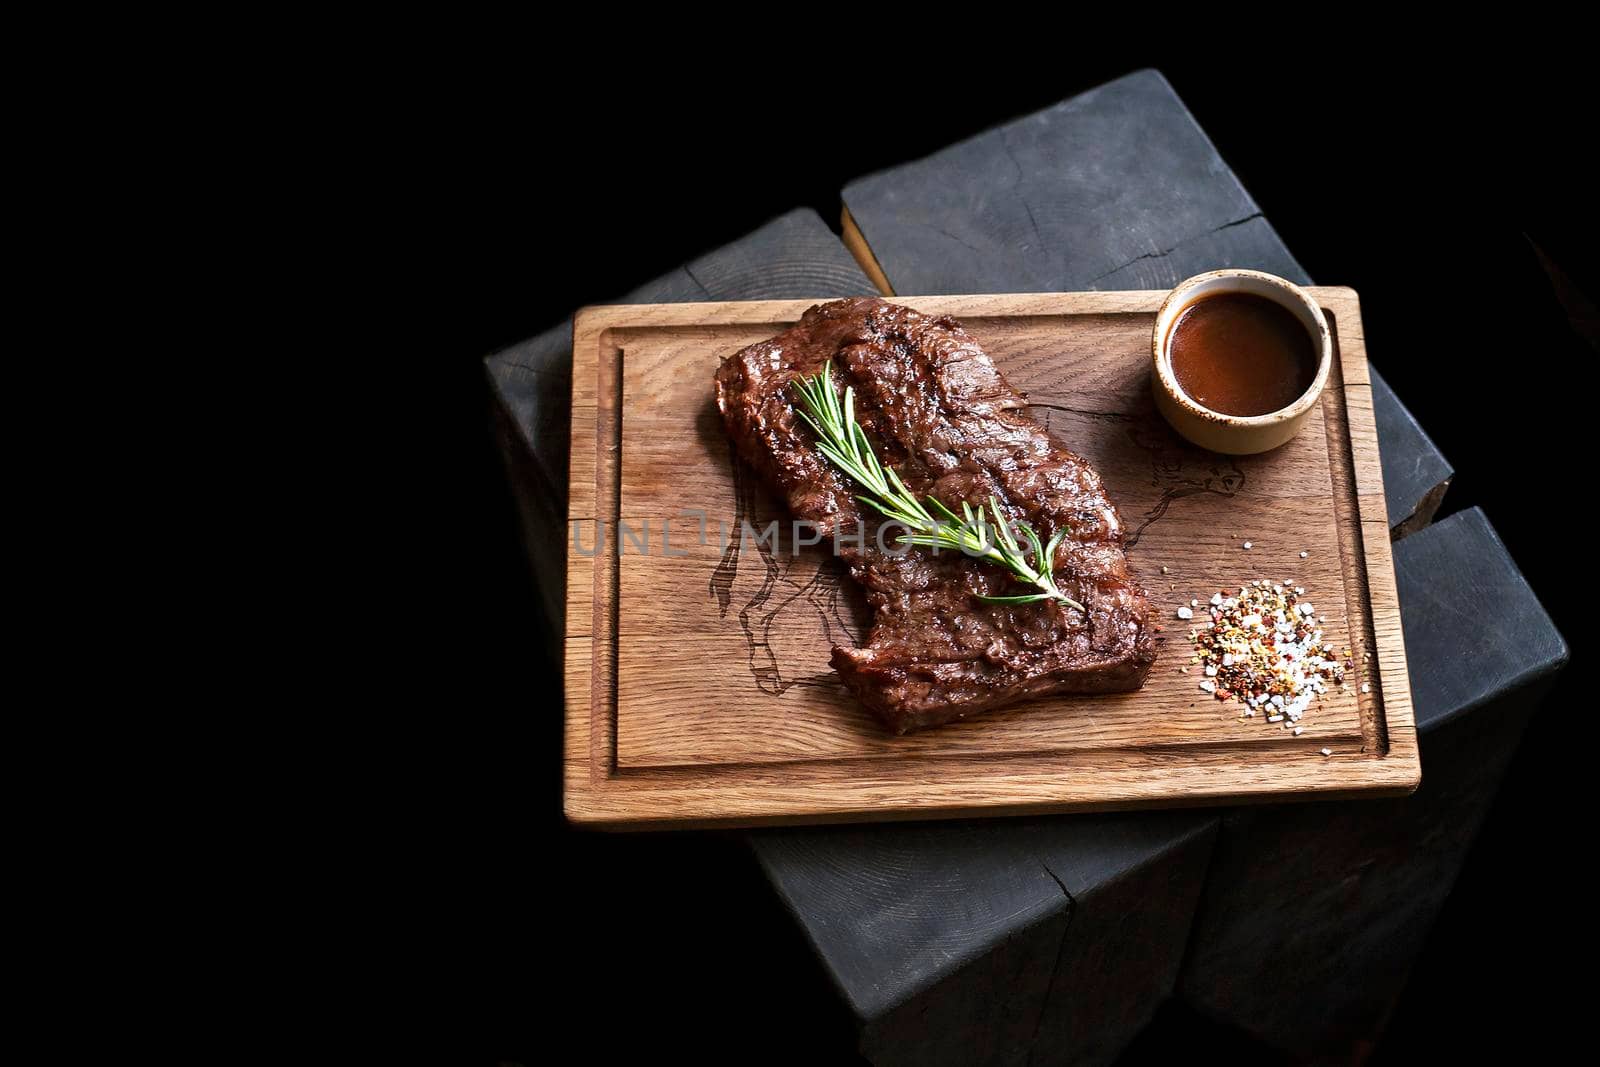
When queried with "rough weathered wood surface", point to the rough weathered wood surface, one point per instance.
{"points": [[1326, 905], [964, 943], [794, 256], [1116, 188], [1415, 474], [698, 689]]}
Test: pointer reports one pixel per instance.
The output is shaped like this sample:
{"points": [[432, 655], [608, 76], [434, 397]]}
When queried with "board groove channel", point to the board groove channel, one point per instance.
{"points": [[689, 711]]}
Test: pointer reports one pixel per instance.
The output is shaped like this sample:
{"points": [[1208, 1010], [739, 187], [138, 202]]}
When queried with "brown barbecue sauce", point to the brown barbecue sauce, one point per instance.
{"points": [[1242, 354]]}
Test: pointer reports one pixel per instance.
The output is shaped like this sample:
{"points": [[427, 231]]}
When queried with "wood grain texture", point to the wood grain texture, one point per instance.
{"points": [[1415, 473], [793, 256], [980, 942], [856, 242], [698, 688], [1130, 925], [1328, 904], [1116, 188]]}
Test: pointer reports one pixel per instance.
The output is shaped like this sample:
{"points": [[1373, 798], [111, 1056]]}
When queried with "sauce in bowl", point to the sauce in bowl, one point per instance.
{"points": [[1242, 354]]}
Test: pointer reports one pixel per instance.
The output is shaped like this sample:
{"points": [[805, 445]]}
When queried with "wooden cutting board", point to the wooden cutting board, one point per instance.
{"points": [[698, 690]]}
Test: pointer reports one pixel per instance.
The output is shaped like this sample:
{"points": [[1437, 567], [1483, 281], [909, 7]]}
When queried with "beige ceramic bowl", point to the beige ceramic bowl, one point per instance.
{"points": [[1236, 435]]}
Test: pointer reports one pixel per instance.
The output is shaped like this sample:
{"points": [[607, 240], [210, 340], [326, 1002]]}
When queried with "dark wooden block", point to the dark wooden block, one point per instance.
{"points": [[1133, 905], [1117, 188], [1312, 914], [1460, 654], [1415, 472], [792, 257], [1118, 185], [943, 935], [990, 942]]}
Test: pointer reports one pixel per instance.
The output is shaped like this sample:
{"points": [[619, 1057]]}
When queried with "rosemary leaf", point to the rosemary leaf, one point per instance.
{"points": [[844, 443]]}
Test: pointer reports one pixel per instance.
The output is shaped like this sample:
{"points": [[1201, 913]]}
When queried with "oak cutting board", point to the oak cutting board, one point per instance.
{"points": [[698, 690]]}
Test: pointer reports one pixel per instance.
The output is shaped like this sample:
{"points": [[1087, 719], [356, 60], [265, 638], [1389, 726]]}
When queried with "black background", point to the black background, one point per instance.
{"points": [[1438, 185]]}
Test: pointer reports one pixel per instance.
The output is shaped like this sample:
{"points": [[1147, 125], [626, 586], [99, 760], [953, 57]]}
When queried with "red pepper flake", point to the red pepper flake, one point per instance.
{"points": [[1277, 666]]}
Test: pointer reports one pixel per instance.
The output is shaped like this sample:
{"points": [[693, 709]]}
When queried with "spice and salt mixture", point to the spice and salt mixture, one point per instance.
{"points": [[1265, 648]]}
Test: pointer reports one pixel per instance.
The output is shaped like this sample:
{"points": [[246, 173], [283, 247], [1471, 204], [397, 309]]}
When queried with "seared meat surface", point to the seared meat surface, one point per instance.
{"points": [[938, 411]]}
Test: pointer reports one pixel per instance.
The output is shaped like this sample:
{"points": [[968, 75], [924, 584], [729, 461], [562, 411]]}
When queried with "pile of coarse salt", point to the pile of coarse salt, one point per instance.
{"points": [[1264, 646]]}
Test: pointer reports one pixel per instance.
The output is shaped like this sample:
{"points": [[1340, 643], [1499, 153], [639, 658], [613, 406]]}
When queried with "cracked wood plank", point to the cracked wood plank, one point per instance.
{"points": [[1006, 943], [941, 937], [1164, 253], [1132, 913], [1117, 188]]}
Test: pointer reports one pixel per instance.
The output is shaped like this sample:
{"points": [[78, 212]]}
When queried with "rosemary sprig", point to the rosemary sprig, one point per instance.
{"points": [[842, 440]]}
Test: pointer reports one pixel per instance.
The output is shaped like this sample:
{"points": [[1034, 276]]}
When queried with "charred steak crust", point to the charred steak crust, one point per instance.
{"points": [[937, 409]]}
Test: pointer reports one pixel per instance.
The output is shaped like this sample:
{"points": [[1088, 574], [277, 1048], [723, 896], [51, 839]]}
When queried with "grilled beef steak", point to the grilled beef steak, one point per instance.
{"points": [[937, 410]]}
